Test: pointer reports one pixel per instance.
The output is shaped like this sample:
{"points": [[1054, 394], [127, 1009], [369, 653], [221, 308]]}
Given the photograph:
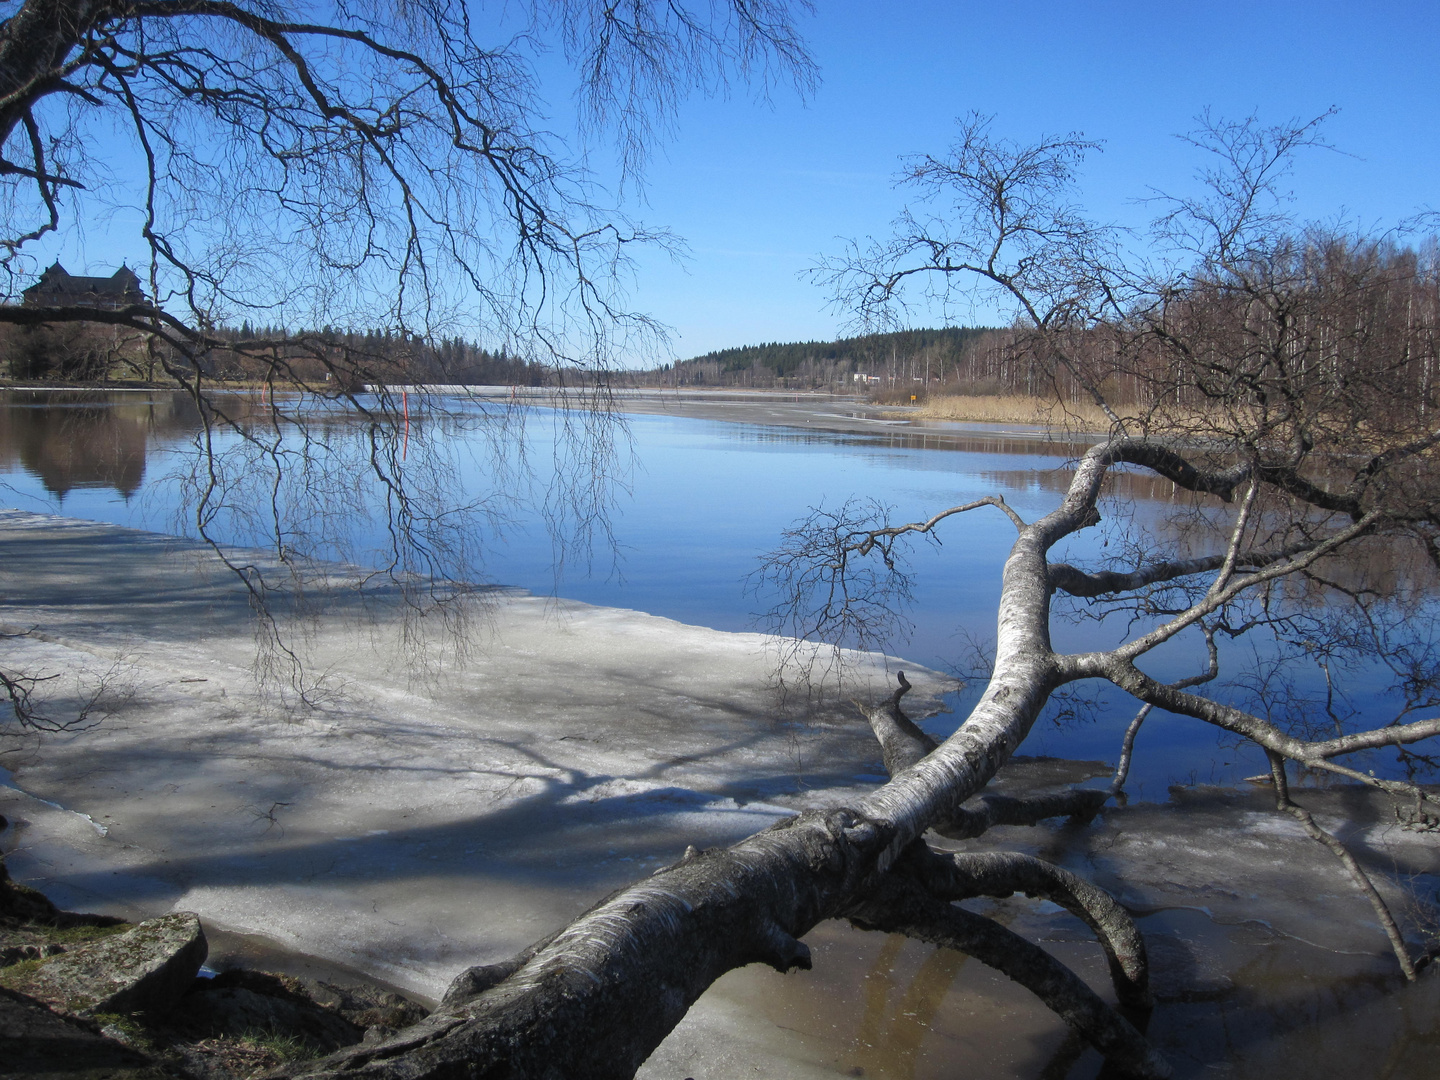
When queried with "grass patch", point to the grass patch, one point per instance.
{"points": [[82, 935], [1008, 409], [126, 1029], [253, 1053], [288, 1047], [40, 936], [17, 974]]}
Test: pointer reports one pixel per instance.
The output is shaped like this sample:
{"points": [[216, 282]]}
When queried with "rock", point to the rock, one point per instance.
{"points": [[223, 1059], [149, 968], [242, 1012], [239, 1023], [323, 1015], [21, 905], [364, 1006], [30, 925], [15, 953], [36, 1042]]}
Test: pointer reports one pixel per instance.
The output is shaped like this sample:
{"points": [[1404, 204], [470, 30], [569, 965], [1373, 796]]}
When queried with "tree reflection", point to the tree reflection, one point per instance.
{"points": [[87, 439]]}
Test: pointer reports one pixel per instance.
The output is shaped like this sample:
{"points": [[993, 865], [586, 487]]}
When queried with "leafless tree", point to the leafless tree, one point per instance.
{"points": [[354, 161], [357, 167], [1298, 479], [1292, 466]]}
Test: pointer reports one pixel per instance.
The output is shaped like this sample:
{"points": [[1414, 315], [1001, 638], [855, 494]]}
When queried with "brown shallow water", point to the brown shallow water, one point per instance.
{"points": [[881, 1006], [1265, 961], [887, 1007], [1256, 1004]]}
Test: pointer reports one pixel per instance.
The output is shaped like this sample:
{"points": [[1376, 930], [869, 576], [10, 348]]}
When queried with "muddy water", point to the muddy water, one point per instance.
{"points": [[883, 1006], [1265, 961]]}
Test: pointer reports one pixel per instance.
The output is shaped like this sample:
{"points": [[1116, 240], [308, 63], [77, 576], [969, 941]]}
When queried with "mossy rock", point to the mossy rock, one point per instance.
{"points": [[22, 907], [149, 968], [38, 1044]]}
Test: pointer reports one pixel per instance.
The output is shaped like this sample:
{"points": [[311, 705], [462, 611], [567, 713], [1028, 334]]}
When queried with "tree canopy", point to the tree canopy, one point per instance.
{"points": [[1296, 431], [355, 165], [365, 184]]}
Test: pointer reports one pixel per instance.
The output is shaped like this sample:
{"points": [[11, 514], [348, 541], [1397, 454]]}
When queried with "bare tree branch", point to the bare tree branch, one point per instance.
{"points": [[962, 875], [902, 744], [1285, 805]]}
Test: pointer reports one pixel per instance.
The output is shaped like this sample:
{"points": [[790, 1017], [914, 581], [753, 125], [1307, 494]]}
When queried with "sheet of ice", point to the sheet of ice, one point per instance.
{"points": [[406, 828], [411, 828]]}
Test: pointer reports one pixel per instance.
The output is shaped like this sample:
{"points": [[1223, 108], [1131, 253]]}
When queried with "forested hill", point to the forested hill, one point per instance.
{"points": [[908, 354]]}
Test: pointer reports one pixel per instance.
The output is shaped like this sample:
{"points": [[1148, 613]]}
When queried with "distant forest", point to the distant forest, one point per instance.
{"points": [[892, 361], [897, 362], [1393, 292], [1360, 307], [383, 356], [96, 352]]}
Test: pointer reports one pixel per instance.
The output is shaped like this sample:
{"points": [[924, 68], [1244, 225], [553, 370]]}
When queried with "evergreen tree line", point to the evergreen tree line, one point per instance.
{"points": [[79, 353], [897, 358], [371, 356], [1350, 307]]}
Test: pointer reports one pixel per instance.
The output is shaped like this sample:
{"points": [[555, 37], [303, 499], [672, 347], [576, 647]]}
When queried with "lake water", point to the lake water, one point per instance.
{"points": [[704, 501], [698, 504]]}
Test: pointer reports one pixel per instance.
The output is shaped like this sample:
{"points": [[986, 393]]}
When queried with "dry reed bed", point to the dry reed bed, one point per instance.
{"points": [[1009, 409]]}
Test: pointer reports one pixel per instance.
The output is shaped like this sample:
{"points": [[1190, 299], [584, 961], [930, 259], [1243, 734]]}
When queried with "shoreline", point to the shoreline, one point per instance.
{"points": [[577, 747], [814, 409], [405, 832]]}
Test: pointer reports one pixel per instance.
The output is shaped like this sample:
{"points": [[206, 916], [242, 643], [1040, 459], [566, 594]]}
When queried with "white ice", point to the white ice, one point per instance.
{"points": [[407, 827]]}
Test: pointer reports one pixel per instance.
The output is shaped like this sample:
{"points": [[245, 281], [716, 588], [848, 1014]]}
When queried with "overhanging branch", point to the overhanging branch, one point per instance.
{"points": [[961, 875]]}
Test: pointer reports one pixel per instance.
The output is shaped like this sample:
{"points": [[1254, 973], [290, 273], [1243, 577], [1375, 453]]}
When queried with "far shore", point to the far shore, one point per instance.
{"points": [[1010, 415]]}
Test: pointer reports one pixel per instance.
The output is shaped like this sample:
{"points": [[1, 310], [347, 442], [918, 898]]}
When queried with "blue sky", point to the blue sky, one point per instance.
{"points": [[760, 190]]}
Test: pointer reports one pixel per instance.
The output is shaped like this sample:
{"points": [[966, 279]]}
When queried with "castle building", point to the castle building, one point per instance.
{"points": [[58, 287]]}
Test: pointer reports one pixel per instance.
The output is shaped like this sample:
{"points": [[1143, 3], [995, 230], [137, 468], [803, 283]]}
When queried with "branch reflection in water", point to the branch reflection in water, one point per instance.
{"points": [[705, 500]]}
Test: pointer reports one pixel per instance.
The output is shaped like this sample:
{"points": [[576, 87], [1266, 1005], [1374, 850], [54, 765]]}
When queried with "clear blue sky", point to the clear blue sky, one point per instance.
{"points": [[759, 191]]}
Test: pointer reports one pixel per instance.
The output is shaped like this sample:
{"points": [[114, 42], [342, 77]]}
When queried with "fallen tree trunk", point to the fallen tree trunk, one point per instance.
{"points": [[598, 997], [595, 999]]}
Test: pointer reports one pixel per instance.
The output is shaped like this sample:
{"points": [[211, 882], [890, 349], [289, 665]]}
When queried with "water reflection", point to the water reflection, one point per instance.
{"points": [[706, 500], [889, 1008], [965, 442], [72, 439], [1286, 1008], [899, 1012], [76, 439]]}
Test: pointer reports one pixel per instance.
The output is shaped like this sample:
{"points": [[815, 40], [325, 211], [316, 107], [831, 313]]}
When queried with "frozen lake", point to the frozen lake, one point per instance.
{"points": [[697, 504], [411, 829]]}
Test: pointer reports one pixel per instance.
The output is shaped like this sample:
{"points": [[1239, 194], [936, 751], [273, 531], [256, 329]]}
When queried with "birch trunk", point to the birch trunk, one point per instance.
{"points": [[596, 999]]}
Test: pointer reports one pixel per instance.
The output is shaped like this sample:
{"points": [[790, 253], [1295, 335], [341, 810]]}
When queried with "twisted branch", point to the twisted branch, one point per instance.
{"points": [[962, 875]]}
